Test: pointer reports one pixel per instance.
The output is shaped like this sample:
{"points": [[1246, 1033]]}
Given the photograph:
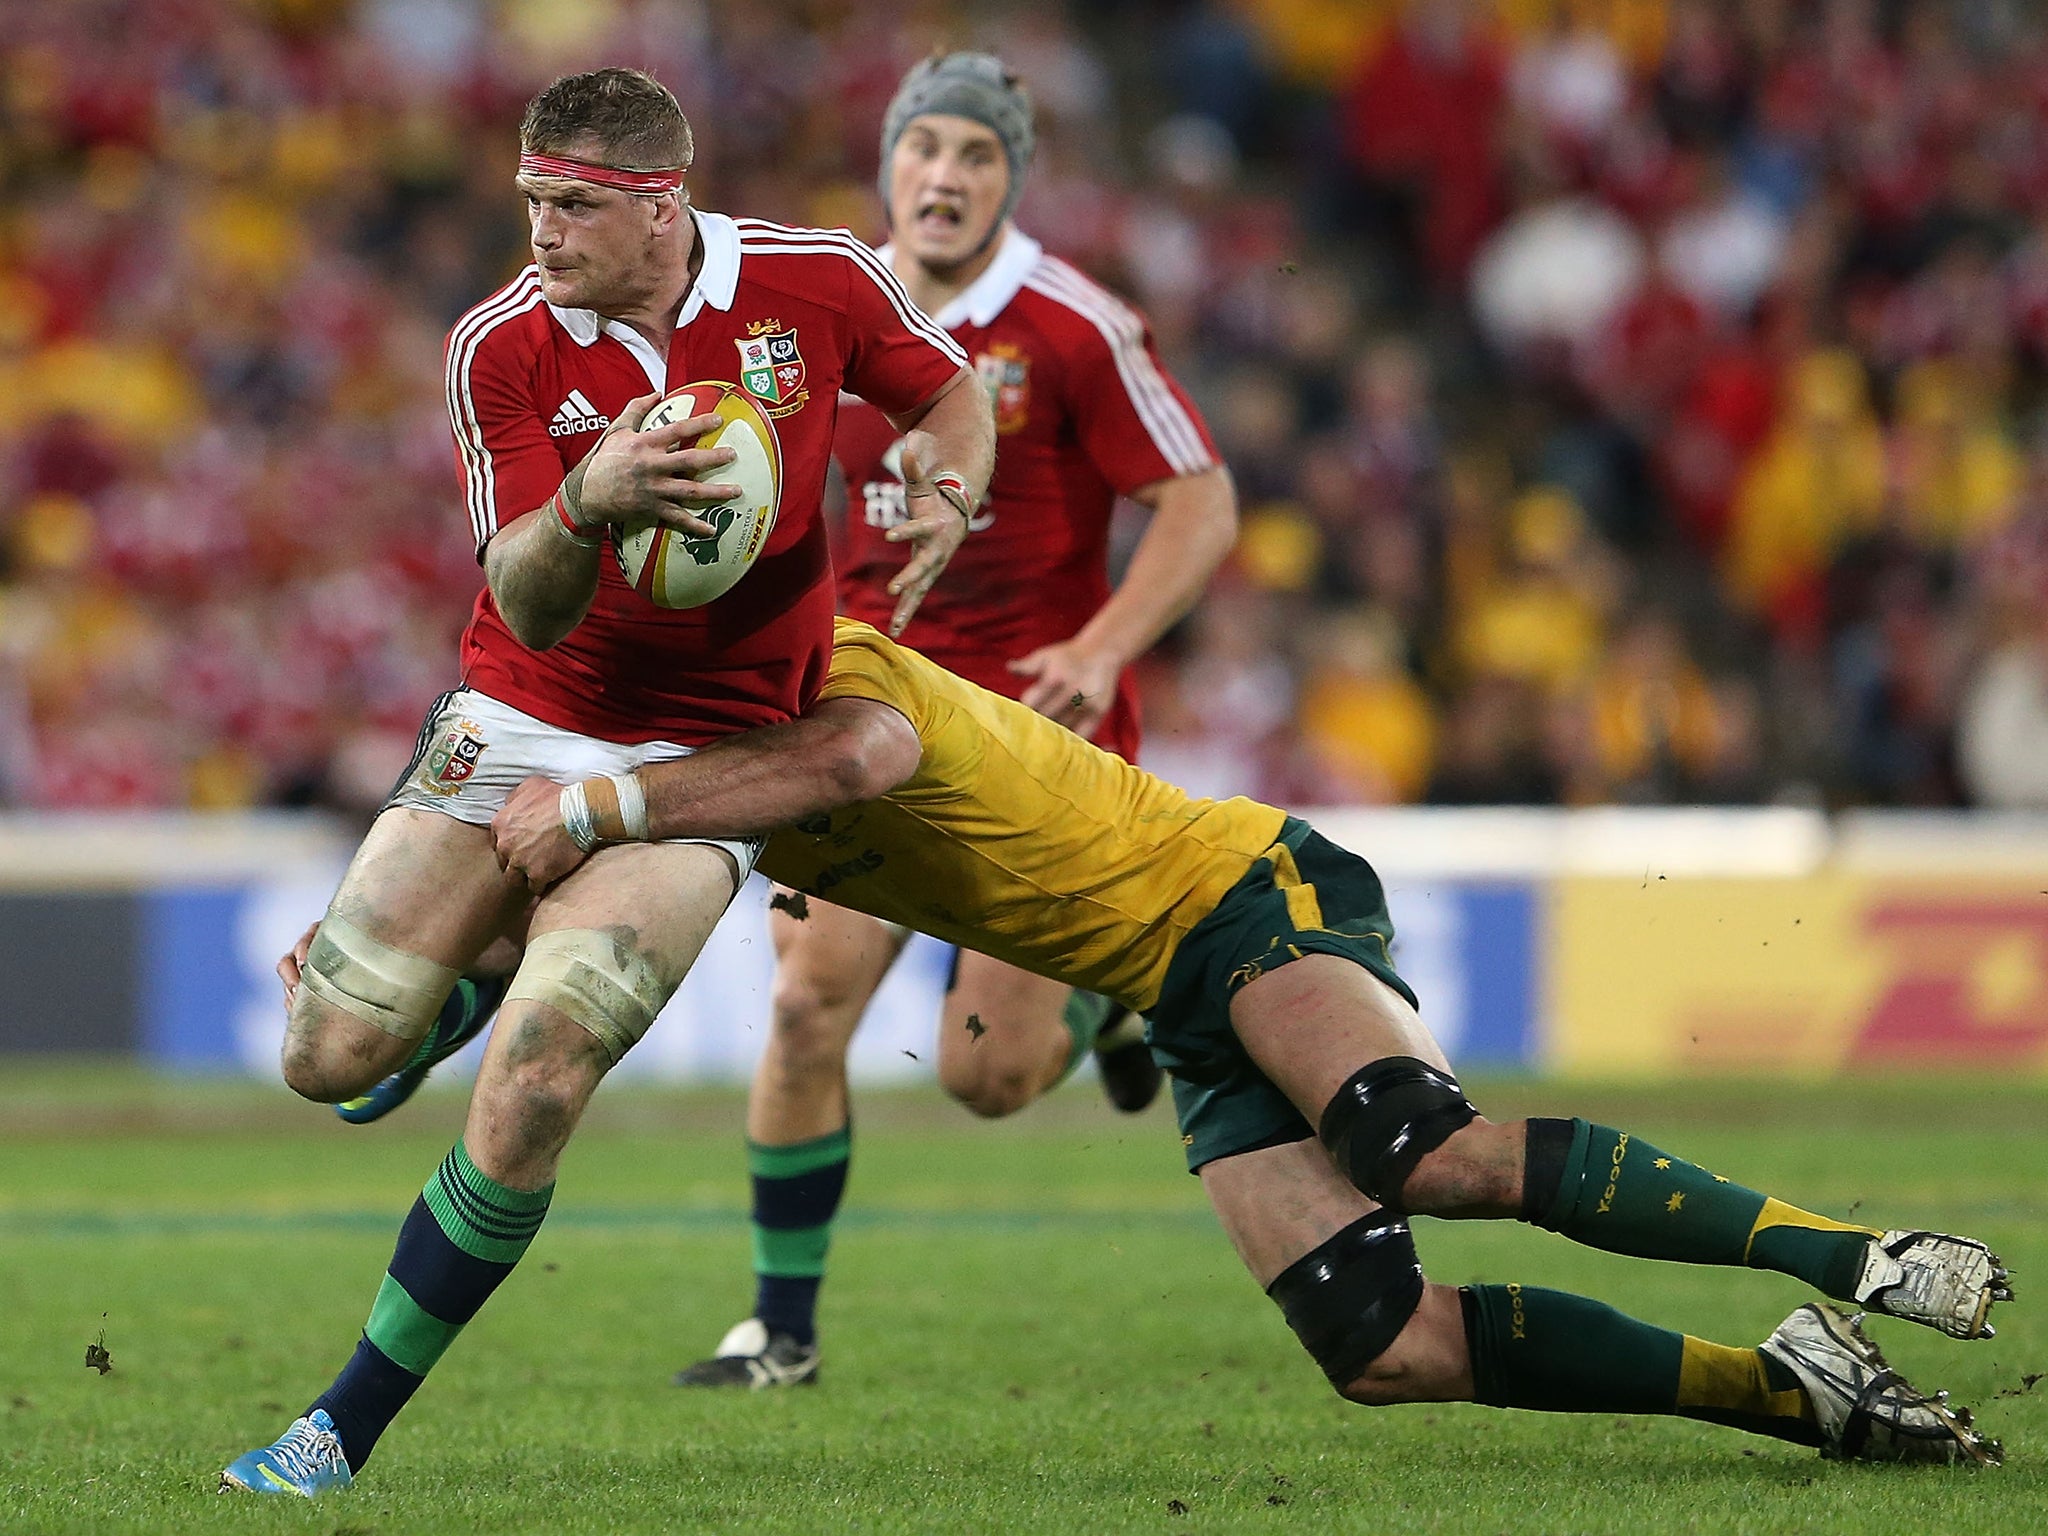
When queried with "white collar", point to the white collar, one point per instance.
{"points": [[718, 280], [988, 295]]}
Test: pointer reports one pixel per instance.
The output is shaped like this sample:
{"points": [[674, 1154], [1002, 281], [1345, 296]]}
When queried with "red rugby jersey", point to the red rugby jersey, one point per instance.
{"points": [[1084, 413], [792, 315]]}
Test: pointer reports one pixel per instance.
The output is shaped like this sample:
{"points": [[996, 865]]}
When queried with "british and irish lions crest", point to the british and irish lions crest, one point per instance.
{"points": [[772, 367], [451, 761]]}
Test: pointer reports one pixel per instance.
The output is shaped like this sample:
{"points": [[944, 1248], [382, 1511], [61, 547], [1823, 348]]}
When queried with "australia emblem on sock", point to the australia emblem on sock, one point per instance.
{"points": [[452, 760]]}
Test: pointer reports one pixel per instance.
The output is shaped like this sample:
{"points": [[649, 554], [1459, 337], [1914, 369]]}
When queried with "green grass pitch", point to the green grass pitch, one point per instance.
{"points": [[1030, 1327]]}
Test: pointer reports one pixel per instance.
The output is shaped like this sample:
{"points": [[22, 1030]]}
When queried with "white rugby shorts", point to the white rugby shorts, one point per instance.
{"points": [[474, 751]]}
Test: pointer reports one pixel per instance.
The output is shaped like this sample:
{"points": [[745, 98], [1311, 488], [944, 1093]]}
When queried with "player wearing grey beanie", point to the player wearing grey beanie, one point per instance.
{"points": [[1085, 413], [978, 87]]}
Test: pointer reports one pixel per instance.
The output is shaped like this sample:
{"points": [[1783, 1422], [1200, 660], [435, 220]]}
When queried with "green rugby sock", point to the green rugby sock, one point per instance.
{"points": [[462, 1017], [797, 1190], [465, 1233], [1559, 1353], [1084, 1015], [1607, 1189]]}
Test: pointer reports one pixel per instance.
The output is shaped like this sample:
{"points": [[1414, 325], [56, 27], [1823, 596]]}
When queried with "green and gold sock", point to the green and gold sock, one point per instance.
{"points": [[1559, 1353], [1607, 1189]]}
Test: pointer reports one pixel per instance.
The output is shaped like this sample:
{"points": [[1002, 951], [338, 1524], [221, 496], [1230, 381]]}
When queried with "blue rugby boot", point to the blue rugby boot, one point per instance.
{"points": [[305, 1460], [468, 1009]]}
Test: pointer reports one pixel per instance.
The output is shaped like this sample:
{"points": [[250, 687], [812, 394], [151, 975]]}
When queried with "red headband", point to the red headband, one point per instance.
{"points": [[642, 183]]}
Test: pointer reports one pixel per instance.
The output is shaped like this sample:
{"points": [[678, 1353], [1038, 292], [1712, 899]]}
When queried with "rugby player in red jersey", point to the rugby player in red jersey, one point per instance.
{"points": [[1084, 414], [566, 670]]}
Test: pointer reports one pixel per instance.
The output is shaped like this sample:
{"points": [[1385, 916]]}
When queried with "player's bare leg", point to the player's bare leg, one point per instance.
{"points": [[1345, 1273], [422, 898], [605, 950], [567, 1021], [1356, 1060], [828, 964], [1007, 1037], [1002, 1039], [1281, 1203]]}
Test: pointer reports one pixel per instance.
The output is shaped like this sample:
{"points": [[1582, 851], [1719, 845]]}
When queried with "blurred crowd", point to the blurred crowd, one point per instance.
{"points": [[1630, 400]]}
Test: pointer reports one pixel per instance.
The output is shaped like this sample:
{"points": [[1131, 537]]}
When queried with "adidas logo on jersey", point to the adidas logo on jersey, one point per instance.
{"points": [[576, 414]]}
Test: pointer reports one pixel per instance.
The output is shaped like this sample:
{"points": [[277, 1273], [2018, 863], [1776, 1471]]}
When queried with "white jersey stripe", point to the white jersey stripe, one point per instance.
{"points": [[773, 239], [472, 470], [478, 481], [892, 285], [1165, 419], [521, 296], [913, 318]]}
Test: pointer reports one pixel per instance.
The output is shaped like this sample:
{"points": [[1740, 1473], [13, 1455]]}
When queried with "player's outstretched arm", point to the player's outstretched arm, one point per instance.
{"points": [[949, 452], [542, 566], [846, 750], [1194, 525]]}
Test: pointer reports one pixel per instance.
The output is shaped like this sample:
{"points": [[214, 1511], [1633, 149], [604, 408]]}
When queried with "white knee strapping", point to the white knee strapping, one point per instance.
{"points": [[596, 980], [396, 992]]}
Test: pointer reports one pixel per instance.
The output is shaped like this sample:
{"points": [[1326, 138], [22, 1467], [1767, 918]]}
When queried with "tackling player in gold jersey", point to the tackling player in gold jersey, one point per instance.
{"points": [[1313, 1102]]}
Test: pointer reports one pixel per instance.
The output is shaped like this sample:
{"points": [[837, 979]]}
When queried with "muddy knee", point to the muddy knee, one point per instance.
{"points": [[582, 999], [330, 1056], [1349, 1299], [362, 1006], [548, 1077]]}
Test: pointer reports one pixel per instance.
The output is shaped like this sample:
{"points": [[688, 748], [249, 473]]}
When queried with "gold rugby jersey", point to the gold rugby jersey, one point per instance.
{"points": [[1016, 837]]}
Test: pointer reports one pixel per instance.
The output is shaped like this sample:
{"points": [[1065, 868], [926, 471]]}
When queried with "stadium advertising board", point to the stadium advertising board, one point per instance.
{"points": [[1803, 977], [1743, 944], [210, 1002]]}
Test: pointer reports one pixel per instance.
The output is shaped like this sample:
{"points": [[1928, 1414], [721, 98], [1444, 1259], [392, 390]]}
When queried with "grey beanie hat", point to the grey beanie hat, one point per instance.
{"points": [[978, 86]]}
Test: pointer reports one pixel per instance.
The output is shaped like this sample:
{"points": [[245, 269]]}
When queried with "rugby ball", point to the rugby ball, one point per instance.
{"points": [[668, 567]]}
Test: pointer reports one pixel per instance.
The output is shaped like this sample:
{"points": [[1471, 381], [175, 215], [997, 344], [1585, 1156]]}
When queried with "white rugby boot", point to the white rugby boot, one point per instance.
{"points": [[1864, 1408], [750, 1356], [1946, 1282]]}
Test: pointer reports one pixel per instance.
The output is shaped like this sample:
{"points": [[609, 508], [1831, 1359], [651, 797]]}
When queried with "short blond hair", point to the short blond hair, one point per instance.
{"points": [[633, 116]]}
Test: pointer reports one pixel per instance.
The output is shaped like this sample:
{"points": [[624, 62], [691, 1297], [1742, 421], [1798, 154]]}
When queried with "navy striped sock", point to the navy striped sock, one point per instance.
{"points": [[796, 1194], [461, 1238]]}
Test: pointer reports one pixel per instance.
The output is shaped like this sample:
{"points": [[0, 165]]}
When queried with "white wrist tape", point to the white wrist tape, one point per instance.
{"points": [[632, 804], [576, 818]]}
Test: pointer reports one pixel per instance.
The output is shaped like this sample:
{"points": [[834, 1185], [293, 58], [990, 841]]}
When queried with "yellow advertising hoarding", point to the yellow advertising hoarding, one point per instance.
{"points": [[1660, 977]]}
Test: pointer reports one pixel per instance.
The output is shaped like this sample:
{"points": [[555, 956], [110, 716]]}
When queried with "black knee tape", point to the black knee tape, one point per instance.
{"points": [[1348, 1299], [1545, 1153], [1387, 1118]]}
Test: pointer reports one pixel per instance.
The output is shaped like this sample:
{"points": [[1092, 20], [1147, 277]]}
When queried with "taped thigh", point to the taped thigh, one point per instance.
{"points": [[398, 993], [595, 979]]}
